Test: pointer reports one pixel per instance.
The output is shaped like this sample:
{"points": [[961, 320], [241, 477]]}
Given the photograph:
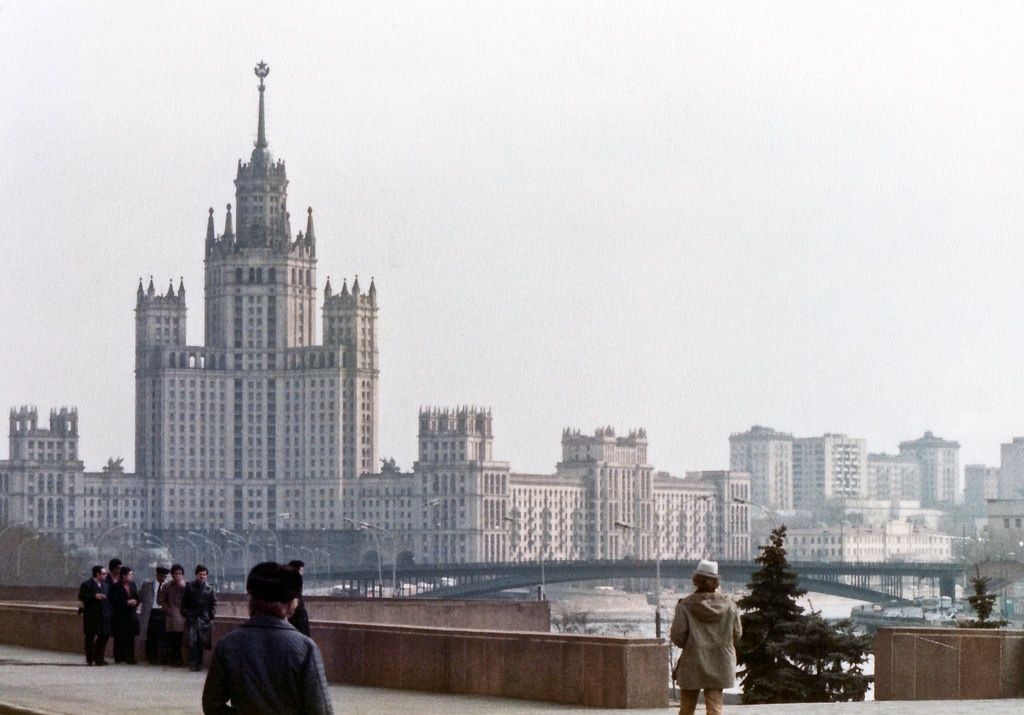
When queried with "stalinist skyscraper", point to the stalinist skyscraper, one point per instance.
{"points": [[262, 425]]}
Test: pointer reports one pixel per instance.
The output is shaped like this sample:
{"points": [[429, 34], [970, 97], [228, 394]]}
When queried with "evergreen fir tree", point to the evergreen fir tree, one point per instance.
{"points": [[787, 655], [983, 603]]}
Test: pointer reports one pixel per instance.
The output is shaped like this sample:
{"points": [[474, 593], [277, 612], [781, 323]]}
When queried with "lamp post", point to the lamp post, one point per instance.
{"points": [[768, 512], [106, 533], [21, 543], [241, 541], [195, 549], [154, 540], [327, 560], [377, 530], [540, 557], [218, 553], [13, 526], [625, 525], [277, 542]]}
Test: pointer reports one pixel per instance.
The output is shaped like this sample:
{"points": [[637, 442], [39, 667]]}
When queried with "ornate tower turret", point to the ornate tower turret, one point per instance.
{"points": [[260, 283], [350, 322]]}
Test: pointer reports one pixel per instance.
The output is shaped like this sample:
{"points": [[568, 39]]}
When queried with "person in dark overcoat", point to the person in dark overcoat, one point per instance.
{"points": [[95, 615], [300, 618], [265, 665], [152, 617], [124, 604], [199, 607]]}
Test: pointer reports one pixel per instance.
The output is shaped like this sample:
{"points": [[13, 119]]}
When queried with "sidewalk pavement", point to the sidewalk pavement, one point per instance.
{"points": [[46, 683]]}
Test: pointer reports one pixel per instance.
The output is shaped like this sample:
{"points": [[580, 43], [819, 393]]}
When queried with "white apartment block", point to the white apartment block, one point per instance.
{"points": [[893, 478], [767, 456], [940, 469], [830, 467]]}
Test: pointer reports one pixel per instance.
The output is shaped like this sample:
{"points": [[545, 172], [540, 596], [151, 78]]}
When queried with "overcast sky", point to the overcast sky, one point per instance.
{"points": [[685, 216]]}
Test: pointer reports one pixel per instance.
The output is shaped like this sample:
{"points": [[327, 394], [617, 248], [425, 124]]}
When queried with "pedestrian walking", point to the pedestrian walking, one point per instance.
{"points": [[706, 628]]}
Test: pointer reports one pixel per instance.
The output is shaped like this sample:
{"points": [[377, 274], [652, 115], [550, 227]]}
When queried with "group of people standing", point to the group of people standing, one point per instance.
{"points": [[174, 612]]}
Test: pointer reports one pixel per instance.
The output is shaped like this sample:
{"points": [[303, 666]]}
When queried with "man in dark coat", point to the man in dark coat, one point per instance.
{"points": [[198, 606], [265, 665], [124, 605], [300, 618], [96, 615], [152, 618]]}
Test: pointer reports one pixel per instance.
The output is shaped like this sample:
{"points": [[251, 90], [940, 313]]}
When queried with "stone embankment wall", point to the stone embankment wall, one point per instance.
{"points": [[446, 613], [583, 670], [949, 664]]}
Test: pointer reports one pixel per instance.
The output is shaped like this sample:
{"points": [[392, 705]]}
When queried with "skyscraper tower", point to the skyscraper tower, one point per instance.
{"points": [[260, 427]]}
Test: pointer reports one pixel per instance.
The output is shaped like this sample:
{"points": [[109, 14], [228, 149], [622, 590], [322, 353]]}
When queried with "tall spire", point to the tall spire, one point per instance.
{"points": [[260, 153]]}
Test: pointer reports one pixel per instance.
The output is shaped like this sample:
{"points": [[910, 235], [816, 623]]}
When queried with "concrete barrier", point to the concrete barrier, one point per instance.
{"points": [[478, 613], [589, 671], [491, 615], [948, 664]]}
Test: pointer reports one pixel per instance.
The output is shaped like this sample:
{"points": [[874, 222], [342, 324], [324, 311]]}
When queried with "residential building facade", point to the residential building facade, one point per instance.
{"points": [[940, 469], [830, 467], [767, 456]]}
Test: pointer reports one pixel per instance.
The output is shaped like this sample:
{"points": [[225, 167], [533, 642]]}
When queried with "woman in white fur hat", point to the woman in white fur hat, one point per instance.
{"points": [[706, 627]]}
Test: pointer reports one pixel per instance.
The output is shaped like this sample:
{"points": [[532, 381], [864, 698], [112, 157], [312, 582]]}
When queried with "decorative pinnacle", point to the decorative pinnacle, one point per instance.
{"points": [[262, 70]]}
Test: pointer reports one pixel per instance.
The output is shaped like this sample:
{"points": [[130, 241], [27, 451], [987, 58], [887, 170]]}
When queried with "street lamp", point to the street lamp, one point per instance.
{"points": [[195, 549], [327, 560], [657, 573], [12, 526], [218, 553], [762, 507], [21, 543], [540, 558], [242, 541], [377, 530], [106, 533], [277, 543]]}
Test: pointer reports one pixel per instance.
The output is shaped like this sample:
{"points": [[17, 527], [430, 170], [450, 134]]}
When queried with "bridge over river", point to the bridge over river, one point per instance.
{"points": [[864, 581]]}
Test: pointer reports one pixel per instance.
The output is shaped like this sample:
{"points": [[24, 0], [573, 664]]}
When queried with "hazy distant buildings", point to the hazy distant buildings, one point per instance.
{"points": [[940, 469], [1011, 469], [40, 481], [460, 505], [891, 541], [981, 483], [767, 456], [830, 467]]}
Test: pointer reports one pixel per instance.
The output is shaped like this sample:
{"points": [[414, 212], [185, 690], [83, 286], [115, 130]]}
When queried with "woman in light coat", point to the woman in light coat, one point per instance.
{"points": [[706, 627]]}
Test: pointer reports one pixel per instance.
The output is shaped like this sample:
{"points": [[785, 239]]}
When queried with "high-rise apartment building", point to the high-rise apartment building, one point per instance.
{"points": [[767, 456], [830, 467], [261, 421], [940, 468], [1011, 469], [893, 478]]}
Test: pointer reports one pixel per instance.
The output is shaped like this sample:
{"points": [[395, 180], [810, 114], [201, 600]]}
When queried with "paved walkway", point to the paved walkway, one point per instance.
{"points": [[47, 683]]}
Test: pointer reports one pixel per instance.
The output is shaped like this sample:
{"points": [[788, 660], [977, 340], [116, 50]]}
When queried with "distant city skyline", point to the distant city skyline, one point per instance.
{"points": [[682, 217]]}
